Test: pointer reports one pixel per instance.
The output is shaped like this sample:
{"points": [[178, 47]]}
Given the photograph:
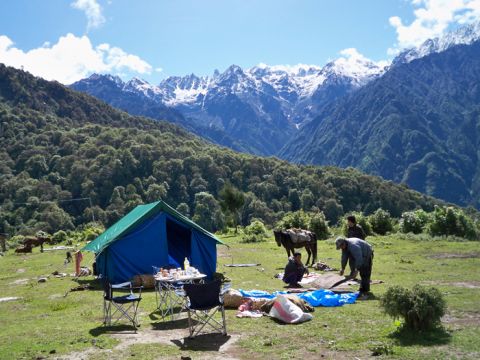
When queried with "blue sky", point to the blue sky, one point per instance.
{"points": [[66, 40]]}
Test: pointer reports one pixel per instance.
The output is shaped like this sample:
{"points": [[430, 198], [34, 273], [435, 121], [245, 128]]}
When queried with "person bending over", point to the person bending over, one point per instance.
{"points": [[359, 254], [294, 270]]}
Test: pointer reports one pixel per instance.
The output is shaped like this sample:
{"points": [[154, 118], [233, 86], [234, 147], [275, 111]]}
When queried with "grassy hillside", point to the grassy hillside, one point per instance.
{"points": [[57, 145], [44, 323]]}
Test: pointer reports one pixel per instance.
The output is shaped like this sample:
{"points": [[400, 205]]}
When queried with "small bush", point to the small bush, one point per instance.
{"points": [[421, 308], [381, 221], [381, 349], [319, 225], [448, 220], [59, 237], [413, 221], [297, 219], [15, 241], [255, 232]]}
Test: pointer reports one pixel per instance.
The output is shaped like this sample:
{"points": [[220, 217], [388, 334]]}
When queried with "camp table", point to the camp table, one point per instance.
{"points": [[170, 292]]}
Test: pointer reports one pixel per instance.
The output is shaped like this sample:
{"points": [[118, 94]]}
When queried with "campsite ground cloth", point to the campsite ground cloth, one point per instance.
{"points": [[315, 298]]}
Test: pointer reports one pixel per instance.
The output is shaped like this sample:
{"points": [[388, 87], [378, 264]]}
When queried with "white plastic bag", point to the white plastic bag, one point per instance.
{"points": [[286, 311]]}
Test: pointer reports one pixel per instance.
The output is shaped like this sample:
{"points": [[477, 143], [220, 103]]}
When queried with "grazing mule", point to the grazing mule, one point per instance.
{"points": [[24, 249], [284, 238], [33, 241]]}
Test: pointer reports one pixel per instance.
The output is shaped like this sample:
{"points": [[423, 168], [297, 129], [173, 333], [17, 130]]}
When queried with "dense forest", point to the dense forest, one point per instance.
{"points": [[418, 124], [68, 158]]}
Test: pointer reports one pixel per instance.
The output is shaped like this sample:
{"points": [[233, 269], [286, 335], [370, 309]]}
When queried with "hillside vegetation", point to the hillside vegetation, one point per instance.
{"points": [[69, 323], [418, 124], [57, 145]]}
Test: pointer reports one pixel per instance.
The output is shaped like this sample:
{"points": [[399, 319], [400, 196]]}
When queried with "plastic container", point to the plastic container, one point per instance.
{"points": [[186, 264]]}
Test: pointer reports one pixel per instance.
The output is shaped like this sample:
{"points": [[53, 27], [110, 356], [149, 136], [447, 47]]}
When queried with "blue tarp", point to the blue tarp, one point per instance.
{"points": [[160, 241], [328, 298], [315, 298], [260, 294]]}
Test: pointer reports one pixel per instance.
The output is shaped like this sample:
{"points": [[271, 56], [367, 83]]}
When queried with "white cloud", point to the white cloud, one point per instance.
{"points": [[71, 58], [93, 12], [351, 58], [432, 19]]}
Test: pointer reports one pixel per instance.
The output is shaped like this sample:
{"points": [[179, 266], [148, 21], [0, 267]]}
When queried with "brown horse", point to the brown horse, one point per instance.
{"points": [[283, 238], [33, 241], [24, 249]]}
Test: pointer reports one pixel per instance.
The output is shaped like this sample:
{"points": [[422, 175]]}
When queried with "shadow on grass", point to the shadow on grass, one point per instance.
{"points": [[207, 342], [94, 283], [169, 325], [369, 298], [408, 337], [115, 329]]}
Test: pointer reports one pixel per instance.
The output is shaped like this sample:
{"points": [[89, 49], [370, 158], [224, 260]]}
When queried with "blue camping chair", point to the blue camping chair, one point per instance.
{"points": [[116, 307], [204, 301]]}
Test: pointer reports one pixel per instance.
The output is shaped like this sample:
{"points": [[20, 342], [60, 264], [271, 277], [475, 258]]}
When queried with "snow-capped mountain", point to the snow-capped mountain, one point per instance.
{"points": [[261, 107], [466, 35]]}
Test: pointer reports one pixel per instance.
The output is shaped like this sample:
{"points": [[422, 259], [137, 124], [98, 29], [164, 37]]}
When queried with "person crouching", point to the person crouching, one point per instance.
{"points": [[294, 270]]}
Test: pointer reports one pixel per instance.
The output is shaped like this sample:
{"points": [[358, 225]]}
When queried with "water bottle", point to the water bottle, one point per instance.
{"points": [[186, 264]]}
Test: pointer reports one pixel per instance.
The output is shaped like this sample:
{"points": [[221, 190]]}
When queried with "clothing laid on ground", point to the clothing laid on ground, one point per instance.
{"points": [[359, 254], [356, 231], [293, 272]]}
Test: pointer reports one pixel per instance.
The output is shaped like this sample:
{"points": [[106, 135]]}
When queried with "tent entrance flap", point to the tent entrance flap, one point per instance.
{"points": [[179, 242]]}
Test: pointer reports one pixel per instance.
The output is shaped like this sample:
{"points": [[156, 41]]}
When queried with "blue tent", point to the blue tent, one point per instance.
{"points": [[152, 235]]}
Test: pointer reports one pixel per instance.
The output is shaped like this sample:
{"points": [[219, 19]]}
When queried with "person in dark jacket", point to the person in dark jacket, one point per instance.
{"points": [[294, 270], [359, 254], [354, 230]]}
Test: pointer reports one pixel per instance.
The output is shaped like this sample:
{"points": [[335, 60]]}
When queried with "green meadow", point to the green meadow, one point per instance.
{"points": [[48, 321]]}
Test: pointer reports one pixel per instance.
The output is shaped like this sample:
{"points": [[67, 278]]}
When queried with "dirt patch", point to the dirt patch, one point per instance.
{"points": [[19, 282], [472, 255], [10, 298], [210, 346], [467, 284], [464, 284], [314, 352], [461, 319]]}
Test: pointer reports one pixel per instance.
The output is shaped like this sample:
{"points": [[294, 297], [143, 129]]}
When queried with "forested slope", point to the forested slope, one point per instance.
{"points": [[417, 124], [57, 145]]}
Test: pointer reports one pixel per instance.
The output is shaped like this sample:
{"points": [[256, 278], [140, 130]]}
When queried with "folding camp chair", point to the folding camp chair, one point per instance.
{"points": [[204, 301], [121, 306]]}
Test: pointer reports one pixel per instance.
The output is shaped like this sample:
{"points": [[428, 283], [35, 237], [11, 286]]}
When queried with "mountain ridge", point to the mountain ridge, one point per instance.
{"points": [[417, 124], [257, 106]]}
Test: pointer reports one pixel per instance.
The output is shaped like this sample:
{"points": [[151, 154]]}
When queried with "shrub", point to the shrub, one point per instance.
{"points": [[297, 219], [413, 221], [381, 221], [255, 232], [15, 241], [319, 225], [90, 233], [451, 221], [58, 237], [421, 308]]}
